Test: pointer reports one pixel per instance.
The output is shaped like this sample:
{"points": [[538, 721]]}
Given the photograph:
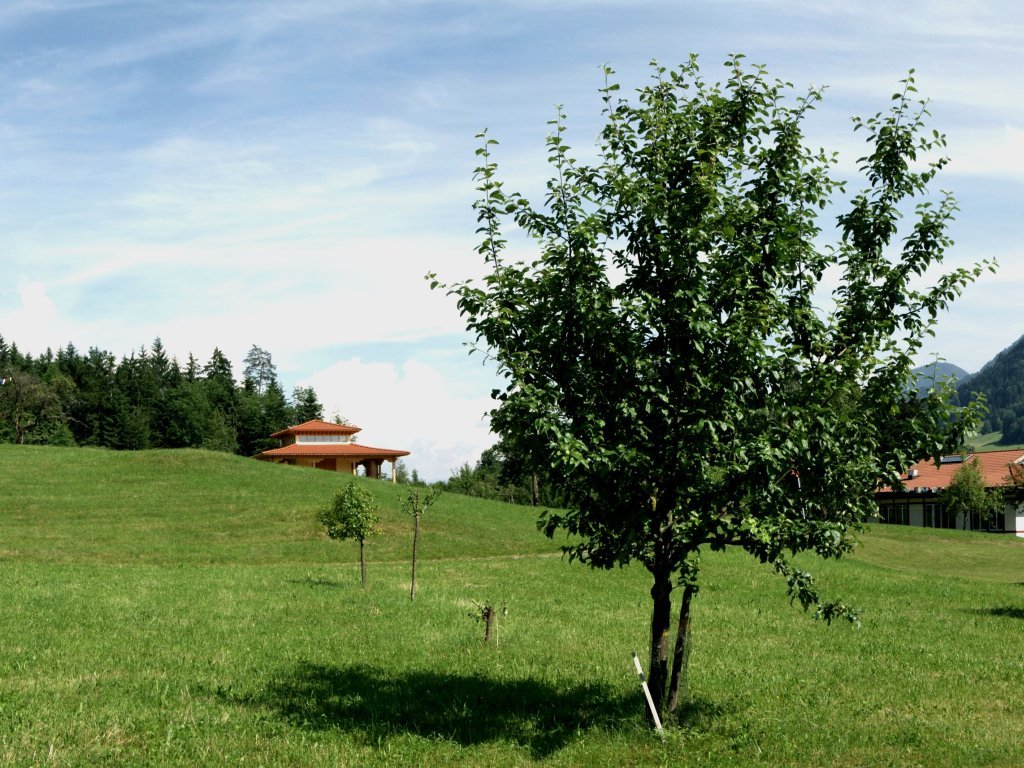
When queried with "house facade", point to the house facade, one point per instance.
{"points": [[322, 445], [919, 501]]}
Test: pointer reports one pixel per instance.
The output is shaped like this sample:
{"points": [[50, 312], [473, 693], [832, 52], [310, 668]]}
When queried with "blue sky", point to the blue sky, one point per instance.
{"points": [[285, 173]]}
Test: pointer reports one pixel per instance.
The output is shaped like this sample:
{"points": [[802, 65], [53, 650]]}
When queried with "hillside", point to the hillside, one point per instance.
{"points": [[1001, 380], [186, 506], [89, 505]]}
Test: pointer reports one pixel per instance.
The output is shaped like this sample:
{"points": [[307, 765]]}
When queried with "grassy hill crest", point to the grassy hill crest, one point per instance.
{"points": [[195, 506]]}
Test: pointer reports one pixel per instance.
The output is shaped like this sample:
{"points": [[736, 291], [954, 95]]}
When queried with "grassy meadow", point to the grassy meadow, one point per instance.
{"points": [[183, 608], [992, 441]]}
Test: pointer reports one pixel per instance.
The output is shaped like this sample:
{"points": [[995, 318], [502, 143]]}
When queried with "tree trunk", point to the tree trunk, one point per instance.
{"points": [[661, 620], [415, 539], [679, 686], [534, 490], [362, 561]]}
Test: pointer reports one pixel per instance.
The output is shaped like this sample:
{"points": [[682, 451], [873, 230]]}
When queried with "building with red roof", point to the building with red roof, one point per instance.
{"points": [[323, 445], [916, 499]]}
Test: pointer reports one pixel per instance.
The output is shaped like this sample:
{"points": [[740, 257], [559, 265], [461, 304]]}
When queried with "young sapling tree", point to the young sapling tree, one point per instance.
{"points": [[487, 613], [415, 503], [352, 515]]}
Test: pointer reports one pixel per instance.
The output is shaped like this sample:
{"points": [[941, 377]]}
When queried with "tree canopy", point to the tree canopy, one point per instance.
{"points": [[966, 495], [674, 351]]}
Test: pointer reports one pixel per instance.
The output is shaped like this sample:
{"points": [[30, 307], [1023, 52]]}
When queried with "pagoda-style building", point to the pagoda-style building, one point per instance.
{"points": [[328, 446]]}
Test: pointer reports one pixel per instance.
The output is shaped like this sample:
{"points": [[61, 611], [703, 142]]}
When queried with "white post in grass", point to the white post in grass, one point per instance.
{"points": [[647, 694]]}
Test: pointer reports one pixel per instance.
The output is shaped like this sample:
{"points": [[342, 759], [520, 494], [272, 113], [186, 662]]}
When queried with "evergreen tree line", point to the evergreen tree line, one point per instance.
{"points": [[145, 400]]}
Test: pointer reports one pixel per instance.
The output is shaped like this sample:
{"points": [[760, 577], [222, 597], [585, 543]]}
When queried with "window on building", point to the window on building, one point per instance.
{"points": [[323, 438], [937, 516], [995, 523], [895, 513]]}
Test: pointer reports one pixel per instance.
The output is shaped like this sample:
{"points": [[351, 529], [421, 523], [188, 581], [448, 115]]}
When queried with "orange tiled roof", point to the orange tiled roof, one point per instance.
{"points": [[318, 427], [994, 468], [353, 450]]}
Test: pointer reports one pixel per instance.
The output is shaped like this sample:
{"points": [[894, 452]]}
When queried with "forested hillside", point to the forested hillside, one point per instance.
{"points": [[145, 400], [1002, 383]]}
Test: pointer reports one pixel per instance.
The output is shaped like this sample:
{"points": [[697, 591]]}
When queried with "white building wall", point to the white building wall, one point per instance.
{"points": [[1015, 520], [1013, 517]]}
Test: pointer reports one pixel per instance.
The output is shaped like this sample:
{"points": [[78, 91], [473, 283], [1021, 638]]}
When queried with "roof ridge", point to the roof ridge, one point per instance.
{"points": [[313, 426]]}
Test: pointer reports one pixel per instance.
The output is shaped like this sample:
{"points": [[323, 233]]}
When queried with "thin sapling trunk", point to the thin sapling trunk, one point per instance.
{"points": [[362, 561], [415, 504], [415, 539]]}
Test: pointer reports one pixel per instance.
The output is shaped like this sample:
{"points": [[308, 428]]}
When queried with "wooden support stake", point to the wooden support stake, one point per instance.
{"points": [[647, 694]]}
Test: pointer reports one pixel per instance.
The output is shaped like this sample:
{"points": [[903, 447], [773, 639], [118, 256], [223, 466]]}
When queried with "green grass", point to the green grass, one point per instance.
{"points": [[182, 608], [941, 553], [992, 441]]}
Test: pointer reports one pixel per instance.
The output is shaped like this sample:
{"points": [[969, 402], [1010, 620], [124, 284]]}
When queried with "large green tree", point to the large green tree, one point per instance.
{"points": [[262, 407], [966, 495], [259, 370], [28, 404], [673, 351], [307, 405]]}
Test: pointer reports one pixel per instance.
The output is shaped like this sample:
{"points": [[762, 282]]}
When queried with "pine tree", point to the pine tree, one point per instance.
{"points": [[259, 370], [307, 405]]}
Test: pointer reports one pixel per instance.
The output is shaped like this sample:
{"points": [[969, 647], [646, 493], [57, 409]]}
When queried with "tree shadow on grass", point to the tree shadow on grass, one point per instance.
{"points": [[1005, 611], [464, 708]]}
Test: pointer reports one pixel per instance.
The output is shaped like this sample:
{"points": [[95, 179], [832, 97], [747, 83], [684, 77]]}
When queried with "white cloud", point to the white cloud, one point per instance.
{"points": [[411, 409], [998, 152], [34, 323]]}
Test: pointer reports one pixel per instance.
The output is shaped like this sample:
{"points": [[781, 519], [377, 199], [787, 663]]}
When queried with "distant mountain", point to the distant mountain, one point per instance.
{"points": [[1002, 383], [926, 376]]}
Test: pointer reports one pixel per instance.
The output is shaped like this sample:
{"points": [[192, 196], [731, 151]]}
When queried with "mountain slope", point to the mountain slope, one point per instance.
{"points": [[926, 376], [1002, 383]]}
